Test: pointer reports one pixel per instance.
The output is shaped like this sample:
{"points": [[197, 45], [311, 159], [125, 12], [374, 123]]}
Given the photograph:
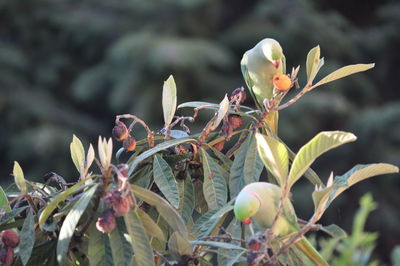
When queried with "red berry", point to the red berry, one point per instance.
{"points": [[236, 121], [247, 221], [219, 145], [9, 238]]}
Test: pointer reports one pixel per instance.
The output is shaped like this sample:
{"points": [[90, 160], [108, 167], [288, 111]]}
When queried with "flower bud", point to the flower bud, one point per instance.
{"points": [[219, 145], [106, 222], [9, 238], [129, 143], [6, 256], [120, 131], [242, 93], [282, 82], [236, 121]]}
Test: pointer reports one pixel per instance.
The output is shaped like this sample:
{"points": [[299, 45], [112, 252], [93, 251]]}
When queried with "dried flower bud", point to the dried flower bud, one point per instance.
{"points": [[6, 256], [129, 143], [282, 82], [9, 238], [219, 145], [254, 244], [242, 93], [106, 222], [121, 205], [236, 121], [119, 131]]}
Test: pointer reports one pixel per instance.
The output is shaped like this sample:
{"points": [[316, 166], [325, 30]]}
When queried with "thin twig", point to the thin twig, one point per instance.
{"points": [[150, 134]]}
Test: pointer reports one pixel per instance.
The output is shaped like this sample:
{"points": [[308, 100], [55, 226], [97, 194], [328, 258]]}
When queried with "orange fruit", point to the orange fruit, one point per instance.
{"points": [[282, 82]]}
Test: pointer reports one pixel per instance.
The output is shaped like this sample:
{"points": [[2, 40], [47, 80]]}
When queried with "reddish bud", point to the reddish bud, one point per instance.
{"points": [[6, 256], [9, 238], [219, 145], [106, 222], [129, 143], [247, 221], [120, 131], [254, 244], [236, 121], [242, 93], [120, 205]]}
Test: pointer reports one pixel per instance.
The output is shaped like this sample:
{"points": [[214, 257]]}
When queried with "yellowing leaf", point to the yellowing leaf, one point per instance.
{"points": [[77, 154], [344, 72], [19, 177], [312, 64], [223, 109], [169, 100]]}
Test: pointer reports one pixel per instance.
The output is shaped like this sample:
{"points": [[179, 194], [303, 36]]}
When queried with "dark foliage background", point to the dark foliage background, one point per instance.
{"points": [[70, 66]]}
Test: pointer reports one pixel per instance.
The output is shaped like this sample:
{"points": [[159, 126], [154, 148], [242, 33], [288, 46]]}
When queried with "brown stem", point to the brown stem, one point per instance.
{"points": [[150, 134]]}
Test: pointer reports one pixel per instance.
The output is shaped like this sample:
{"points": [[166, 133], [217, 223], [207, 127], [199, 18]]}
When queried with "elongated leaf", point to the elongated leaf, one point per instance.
{"points": [[160, 147], [313, 63], [179, 246], [70, 223], [187, 198], [253, 164], [165, 180], [151, 227], [222, 111], [168, 212], [4, 206], [120, 247], [27, 238], [320, 144], [334, 231], [216, 244], [344, 72], [200, 200], [140, 241], [274, 155], [89, 157], [99, 249], [230, 256], [169, 100], [226, 162], [9, 216], [323, 198], [19, 177], [54, 203], [236, 178], [212, 106], [214, 186], [208, 221], [77, 153]]}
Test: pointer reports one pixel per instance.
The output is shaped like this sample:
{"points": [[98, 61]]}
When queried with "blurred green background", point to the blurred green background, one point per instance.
{"points": [[70, 66]]}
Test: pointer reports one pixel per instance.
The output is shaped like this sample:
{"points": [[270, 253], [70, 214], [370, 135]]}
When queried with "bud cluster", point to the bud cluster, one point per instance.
{"points": [[121, 133], [9, 240]]}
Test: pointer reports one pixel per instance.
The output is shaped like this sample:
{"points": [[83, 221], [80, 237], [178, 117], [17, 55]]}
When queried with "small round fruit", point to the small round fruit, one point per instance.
{"points": [[236, 121], [120, 131], [282, 82], [9, 238], [129, 143], [106, 222]]}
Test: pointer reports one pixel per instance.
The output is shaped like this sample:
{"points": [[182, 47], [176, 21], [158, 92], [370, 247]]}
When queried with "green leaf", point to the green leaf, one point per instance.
{"points": [[77, 153], [274, 155], [151, 227], [222, 111], [236, 177], [99, 249], [208, 221], [160, 147], [341, 183], [334, 231], [187, 198], [179, 246], [140, 241], [168, 212], [4, 206], [216, 244], [70, 223], [165, 180], [48, 210], [344, 72], [320, 144], [169, 100], [395, 256], [19, 177], [253, 165], [121, 249], [9, 216], [212, 106], [27, 238], [178, 134], [214, 186], [312, 63]]}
